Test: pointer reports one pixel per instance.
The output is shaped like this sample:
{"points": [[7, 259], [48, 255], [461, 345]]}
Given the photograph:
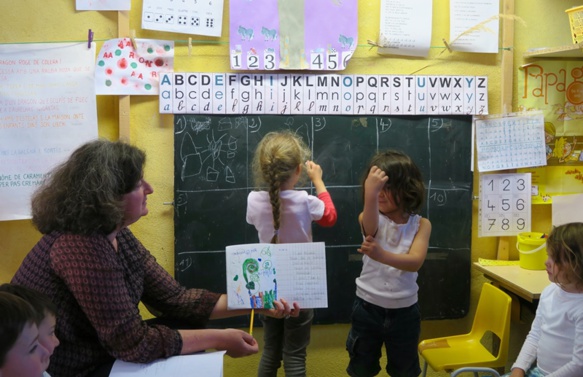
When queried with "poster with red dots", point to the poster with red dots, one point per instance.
{"points": [[126, 68]]}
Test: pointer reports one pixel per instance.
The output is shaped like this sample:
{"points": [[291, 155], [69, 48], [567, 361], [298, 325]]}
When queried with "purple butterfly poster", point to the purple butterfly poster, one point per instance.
{"points": [[292, 34]]}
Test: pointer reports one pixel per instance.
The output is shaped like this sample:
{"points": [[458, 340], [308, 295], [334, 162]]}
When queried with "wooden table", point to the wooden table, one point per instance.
{"points": [[527, 284]]}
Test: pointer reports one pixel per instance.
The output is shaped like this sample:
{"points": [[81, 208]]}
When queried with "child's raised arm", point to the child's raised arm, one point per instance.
{"points": [[369, 218]]}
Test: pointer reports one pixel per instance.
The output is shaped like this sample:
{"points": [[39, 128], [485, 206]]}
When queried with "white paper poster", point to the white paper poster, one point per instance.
{"points": [[474, 25], [406, 27], [511, 142], [47, 109], [207, 364]]}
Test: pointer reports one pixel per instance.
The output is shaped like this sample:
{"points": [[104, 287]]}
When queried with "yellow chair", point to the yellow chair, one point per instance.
{"points": [[457, 351]]}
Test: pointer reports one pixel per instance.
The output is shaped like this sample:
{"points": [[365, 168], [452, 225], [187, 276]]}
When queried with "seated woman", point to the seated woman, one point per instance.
{"points": [[96, 271]]}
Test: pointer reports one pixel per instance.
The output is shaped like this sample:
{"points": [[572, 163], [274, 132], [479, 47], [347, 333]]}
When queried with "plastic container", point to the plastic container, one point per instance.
{"points": [[576, 21], [532, 247]]}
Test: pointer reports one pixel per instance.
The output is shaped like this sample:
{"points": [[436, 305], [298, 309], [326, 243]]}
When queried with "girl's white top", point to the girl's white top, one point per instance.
{"points": [[298, 208], [384, 285], [555, 339]]}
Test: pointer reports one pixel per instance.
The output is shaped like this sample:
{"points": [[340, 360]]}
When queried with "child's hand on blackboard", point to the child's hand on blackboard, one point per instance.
{"points": [[313, 170]]}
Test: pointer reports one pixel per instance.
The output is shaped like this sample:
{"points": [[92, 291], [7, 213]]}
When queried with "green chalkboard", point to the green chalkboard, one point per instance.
{"points": [[212, 166]]}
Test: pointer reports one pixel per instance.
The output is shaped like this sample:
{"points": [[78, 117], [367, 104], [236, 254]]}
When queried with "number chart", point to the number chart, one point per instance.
{"points": [[504, 204]]}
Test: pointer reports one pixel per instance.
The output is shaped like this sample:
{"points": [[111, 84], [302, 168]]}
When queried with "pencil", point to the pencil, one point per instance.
{"points": [[251, 324]]}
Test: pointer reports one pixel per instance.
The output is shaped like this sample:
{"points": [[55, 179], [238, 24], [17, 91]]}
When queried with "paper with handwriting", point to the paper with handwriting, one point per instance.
{"points": [[258, 274]]}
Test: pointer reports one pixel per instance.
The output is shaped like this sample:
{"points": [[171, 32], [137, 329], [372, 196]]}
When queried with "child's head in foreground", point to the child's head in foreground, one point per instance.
{"points": [[45, 313], [565, 256], [21, 354]]}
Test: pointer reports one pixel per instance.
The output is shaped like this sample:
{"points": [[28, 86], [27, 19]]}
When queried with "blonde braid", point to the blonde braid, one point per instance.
{"points": [[277, 157]]}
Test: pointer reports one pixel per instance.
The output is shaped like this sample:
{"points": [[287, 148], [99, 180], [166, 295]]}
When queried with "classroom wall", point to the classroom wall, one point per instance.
{"points": [[27, 21]]}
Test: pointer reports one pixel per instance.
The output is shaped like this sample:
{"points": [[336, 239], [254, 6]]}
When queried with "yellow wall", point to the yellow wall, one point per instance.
{"points": [[57, 21]]}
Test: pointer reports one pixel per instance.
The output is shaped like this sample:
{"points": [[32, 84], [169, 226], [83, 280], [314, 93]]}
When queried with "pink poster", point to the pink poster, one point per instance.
{"points": [[286, 34]]}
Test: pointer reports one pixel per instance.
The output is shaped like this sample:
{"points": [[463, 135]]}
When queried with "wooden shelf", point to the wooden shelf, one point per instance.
{"points": [[569, 51]]}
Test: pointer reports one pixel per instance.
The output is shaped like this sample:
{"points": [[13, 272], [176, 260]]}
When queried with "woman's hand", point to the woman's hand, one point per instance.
{"points": [[282, 309], [238, 343]]}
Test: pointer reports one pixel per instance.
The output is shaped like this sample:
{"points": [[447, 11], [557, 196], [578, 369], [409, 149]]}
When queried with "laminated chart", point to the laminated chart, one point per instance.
{"points": [[292, 34]]}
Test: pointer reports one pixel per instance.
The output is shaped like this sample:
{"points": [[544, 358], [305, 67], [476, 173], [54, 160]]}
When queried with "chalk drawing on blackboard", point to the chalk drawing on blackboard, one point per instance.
{"points": [[438, 197], [184, 264], [210, 159], [190, 157], [195, 124], [251, 124], [438, 124], [181, 204], [252, 278], [384, 124]]}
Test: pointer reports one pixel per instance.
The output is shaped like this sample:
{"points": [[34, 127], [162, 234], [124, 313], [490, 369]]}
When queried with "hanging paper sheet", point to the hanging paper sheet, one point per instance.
{"points": [[292, 34], [47, 110], [123, 70], [103, 4]]}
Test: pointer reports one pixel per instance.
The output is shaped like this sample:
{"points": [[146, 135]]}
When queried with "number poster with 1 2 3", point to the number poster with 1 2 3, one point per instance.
{"points": [[505, 204], [282, 34]]}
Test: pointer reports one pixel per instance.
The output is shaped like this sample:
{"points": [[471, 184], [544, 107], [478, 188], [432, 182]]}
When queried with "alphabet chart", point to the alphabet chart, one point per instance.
{"points": [[505, 201], [198, 17]]}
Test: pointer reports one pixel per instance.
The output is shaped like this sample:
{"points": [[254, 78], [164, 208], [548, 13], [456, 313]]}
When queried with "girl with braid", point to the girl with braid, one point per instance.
{"points": [[284, 215]]}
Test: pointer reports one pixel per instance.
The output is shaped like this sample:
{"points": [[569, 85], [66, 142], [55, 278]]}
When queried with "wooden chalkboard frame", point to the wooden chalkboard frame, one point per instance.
{"points": [[213, 177]]}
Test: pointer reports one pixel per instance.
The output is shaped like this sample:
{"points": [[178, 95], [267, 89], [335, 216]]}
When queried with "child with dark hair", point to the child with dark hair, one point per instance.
{"points": [[21, 354], [396, 239]]}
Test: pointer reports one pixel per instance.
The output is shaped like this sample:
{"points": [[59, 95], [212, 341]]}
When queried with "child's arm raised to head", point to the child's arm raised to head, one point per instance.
{"points": [[410, 261], [369, 218]]}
